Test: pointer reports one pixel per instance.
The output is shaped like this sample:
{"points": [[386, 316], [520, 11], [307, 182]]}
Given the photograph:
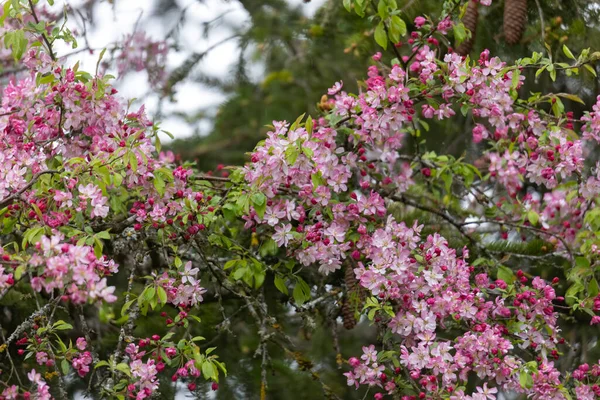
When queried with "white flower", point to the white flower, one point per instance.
{"points": [[335, 88], [282, 234], [489, 393], [189, 273]]}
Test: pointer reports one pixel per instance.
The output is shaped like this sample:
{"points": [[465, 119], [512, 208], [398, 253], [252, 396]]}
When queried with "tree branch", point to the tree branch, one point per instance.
{"points": [[8, 200]]}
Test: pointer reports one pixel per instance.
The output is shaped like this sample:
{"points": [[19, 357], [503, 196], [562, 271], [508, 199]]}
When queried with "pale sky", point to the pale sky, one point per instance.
{"points": [[113, 24]]}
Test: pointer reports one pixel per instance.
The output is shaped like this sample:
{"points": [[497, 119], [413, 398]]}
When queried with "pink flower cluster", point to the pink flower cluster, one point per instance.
{"points": [[98, 201], [82, 361], [71, 269], [143, 372], [433, 290], [591, 130], [42, 390], [313, 163], [185, 290]]}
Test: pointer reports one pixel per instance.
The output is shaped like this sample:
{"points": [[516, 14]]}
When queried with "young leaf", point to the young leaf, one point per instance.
{"points": [[380, 35], [593, 288], [533, 217], [506, 274], [162, 295], [460, 33], [591, 69], [568, 52], [525, 380], [397, 28], [298, 295], [309, 125], [208, 370]]}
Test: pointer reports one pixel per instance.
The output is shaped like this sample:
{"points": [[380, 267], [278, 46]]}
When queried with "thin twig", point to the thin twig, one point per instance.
{"points": [[12, 364], [212, 178], [311, 304], [8, 200], [44, 36], [531, 228], [541, 12], [28, 323]]}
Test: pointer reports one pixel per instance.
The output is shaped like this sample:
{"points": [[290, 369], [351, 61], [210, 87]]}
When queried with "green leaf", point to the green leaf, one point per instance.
{"points": [[6, 10], [565, 392], [101, 364], [571, 294], [460, 33], [571, 97], [526, 380], [298, 295], [239, 273], [221, 367], [133, 161], [317, 179], [19, 272], [64, 366], [593, 288], [348, 5], [157, 144], [380, 35], [230, 263], [159, 184], [97, 247], [126, 306], [124, 368], [258, 199], [208, 370], [533, 217], [61, 325], [169, 134], [43, 79], [99, 60], [371, 314], [259, 280], [591, 69], [149, 293], [382, 9], [397, 28], [506, 274], [582, 262], [296, 123], [568, 52], [309, 125], [280, 285], [308, 152], [515, 78], [539, 71], [291, 154], [17, 42], [195, 318], [360, 7], [103, 235], [162, 295]]}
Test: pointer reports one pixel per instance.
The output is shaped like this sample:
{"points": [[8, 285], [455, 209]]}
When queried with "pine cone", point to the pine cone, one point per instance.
{"points": [[515, 17], [354, 298], [470, 21]]}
